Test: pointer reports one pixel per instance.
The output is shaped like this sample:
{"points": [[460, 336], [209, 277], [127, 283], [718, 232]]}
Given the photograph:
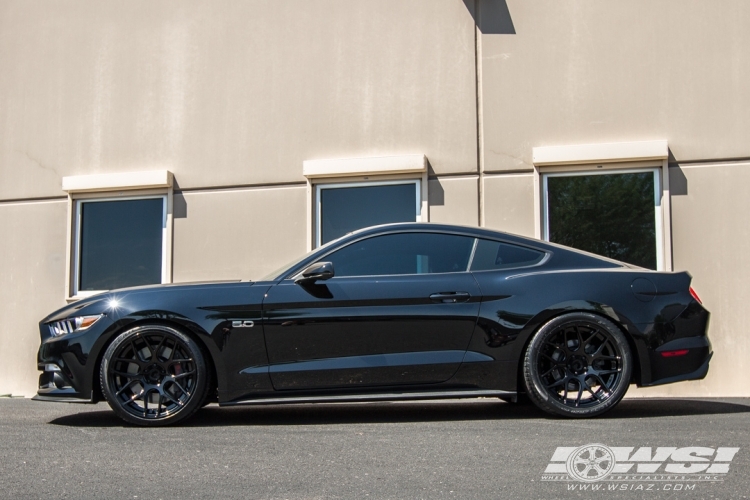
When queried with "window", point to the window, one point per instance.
{"points": [[491, 255], [615, 213], [119, 243], [346, 207], [403, 253]]}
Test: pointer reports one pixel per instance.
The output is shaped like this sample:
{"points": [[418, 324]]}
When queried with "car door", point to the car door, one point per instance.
{"points": [[400, 309]]}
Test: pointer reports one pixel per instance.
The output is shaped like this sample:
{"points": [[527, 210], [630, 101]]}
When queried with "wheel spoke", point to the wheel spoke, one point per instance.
{"points": [[135, 397], [186, 393], [557, 382], [609, 358], [136, 353], [159, 347], [603, 386], [588, 388], [609, 372], [185, 374], [173, 399], [580, 339], [126, 386]]}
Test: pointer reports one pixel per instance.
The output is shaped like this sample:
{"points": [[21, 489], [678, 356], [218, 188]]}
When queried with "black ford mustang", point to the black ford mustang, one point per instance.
{"points": [[402, 311]]}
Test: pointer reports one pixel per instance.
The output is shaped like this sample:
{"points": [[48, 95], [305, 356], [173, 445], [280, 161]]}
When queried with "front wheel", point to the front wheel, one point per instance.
{"points": [[154, 375], [577, 365]]}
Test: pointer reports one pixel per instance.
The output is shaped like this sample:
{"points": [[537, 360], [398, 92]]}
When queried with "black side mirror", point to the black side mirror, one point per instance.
{"points": [[318, 271]]}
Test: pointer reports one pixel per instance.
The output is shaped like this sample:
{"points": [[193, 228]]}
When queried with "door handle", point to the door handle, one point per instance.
{"points": [[450, 297]]}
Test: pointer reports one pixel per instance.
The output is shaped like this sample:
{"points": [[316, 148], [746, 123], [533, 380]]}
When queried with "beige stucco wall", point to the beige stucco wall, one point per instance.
{"points": [[32, 274], [454, 200], [237, 234], [509, 203], [586, 71], [231, 94]]}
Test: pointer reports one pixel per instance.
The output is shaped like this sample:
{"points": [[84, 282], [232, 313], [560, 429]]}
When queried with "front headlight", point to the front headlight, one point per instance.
{"points": [[70, 325]]}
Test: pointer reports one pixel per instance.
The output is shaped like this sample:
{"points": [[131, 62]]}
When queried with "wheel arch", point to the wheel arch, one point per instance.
{"points": [[195, 333], [589, 307]]}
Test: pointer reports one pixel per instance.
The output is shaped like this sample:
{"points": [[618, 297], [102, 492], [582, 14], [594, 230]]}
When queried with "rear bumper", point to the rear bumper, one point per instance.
{"points": [[677, 350], [698, 374]]}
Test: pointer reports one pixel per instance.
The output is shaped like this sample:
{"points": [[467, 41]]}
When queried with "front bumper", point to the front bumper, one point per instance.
{"points": [[68, 364], [55, 386]]}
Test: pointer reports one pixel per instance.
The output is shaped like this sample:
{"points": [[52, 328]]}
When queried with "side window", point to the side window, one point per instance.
{"points": [[491, 255], [403, 253]]}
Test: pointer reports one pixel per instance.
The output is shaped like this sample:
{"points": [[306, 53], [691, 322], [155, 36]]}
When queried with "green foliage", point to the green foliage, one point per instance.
{"points": [[610, 215]]}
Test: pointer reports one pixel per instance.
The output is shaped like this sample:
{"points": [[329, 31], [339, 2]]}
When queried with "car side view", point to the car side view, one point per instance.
{"points": [[393, 312]]}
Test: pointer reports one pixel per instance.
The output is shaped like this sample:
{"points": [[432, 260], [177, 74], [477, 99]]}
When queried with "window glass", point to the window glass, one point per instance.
{"points": [[403, 253], [607, 214], [120, 243], [496, 255], [346, 209]]}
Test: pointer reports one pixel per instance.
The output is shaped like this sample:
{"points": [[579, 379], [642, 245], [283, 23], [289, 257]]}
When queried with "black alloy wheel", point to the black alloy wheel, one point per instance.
{"points": [[154, 375], [577, 365]]}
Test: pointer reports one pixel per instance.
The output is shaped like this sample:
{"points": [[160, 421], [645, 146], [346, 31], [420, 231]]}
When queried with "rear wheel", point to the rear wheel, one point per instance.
{"points": [[154, 375], [577, 365]]}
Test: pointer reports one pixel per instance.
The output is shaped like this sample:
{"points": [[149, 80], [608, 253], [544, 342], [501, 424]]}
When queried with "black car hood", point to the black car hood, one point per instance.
{"points": [[91, 305]]}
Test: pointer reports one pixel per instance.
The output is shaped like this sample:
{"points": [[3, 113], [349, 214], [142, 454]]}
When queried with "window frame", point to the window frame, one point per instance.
{"points": [[419, 197], [320, 256], [662, 262], [76, 237]]}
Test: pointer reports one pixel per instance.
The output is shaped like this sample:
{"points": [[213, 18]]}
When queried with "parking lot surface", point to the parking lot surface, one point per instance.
{"points": [[440, 449]]}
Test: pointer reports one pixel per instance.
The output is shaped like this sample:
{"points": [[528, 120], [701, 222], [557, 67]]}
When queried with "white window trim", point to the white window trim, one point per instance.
{"points": [[363, 171], [609, 157], [339, 185], [77, 239], [109, 187]]}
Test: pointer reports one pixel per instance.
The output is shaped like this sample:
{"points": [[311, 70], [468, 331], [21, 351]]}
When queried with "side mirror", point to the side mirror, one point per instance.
{"points": [[315, 272]]}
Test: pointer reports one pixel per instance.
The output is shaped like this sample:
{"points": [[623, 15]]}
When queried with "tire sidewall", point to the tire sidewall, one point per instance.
{"points": [[535, 388]]}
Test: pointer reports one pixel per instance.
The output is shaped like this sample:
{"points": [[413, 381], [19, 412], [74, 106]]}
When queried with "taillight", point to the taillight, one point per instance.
{"points": [[695, 296]]}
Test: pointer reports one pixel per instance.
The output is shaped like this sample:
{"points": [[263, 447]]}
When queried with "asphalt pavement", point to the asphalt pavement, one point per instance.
{"points": [[410, 450]]}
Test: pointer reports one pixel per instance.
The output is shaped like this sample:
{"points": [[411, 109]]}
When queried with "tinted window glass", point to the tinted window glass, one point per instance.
{"points": [[496, 255], [607, 214], [121, 243], [403, 253], [344, 210]]}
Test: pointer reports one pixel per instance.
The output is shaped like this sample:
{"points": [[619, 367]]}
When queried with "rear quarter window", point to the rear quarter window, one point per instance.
{"points": [[491, 255]]}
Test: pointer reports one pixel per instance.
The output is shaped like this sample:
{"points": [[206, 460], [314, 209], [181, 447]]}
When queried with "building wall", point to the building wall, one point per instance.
{"points": [[33, 268], [232, 100], [237, 95]]}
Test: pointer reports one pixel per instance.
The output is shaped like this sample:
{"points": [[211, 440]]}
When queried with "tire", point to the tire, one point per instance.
{"points": [[577, 365], [154, 375]]}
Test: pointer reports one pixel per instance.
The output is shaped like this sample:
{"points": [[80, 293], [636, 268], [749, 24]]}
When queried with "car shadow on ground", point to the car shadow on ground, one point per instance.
{"points": [[422, 411]]}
